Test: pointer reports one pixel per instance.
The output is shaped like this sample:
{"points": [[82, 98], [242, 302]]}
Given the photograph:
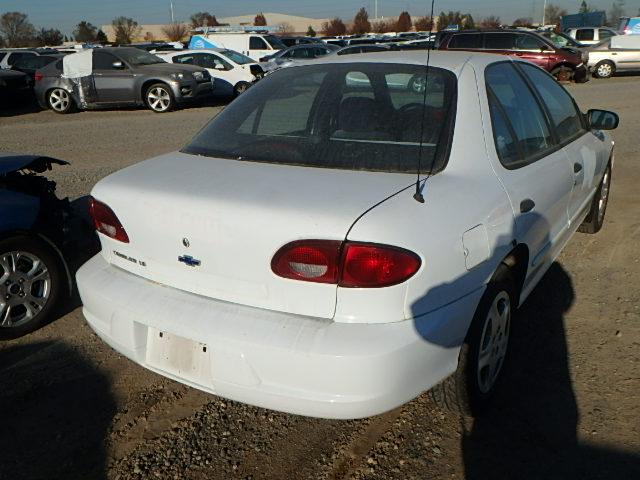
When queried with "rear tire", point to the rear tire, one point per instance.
{"points": [[595, 219], [562, 74], [60, 101], [240, 88], [159, 98], [604, 69], [30, 287], [469, 390]]}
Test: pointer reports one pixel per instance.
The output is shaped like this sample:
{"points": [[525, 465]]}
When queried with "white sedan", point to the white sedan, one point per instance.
{"points": [[334, 248], [233, 72]]}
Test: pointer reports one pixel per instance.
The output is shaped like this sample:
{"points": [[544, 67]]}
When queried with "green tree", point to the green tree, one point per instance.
{"points": [[468, 23], [101, 37], [361, 22], [16, 30], [311, 32], [404, 22], [584, 8], [203, 19], [260, 20], [85, 32], [126, 29]]}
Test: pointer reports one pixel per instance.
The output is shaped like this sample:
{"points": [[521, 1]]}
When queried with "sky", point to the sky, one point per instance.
{"points": [[65, 14]]}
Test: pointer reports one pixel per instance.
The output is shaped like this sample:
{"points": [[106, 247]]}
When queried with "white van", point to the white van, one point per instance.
{"points": [[251, 44]]}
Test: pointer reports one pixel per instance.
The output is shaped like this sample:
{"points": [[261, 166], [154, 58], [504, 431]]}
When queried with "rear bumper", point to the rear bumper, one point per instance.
{"points": [[279, 361]]}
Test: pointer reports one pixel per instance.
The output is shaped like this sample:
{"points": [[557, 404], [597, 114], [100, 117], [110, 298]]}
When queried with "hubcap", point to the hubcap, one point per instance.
{"points": [[59, 100], [241, 88], [604, 70], [604, 196], [25, 287], [159, 99], [494, 341]]}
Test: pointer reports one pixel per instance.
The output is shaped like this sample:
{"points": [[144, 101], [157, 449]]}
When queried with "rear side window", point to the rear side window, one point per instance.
{"points": [[356, 116], [499, 41], [16, 56], [528, 42], [521, 112], [184, 59], [466, 40], [103, 61], [584, 34], [562, 109], [256, 43]]}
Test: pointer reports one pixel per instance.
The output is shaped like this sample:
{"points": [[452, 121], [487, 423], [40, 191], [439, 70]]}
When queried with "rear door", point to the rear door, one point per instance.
{"points": [[585, 153], [533, 49], [533, 169], [113, 85]]}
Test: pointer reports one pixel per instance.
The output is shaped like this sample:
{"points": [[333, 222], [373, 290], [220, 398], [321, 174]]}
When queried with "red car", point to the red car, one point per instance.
{"points": [[563, 63]]}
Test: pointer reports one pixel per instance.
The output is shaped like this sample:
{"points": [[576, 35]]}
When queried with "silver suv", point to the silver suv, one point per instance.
{"points": [[122, 77]]}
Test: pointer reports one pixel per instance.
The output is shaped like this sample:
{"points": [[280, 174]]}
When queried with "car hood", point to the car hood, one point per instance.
{"points": [[12, 162]]}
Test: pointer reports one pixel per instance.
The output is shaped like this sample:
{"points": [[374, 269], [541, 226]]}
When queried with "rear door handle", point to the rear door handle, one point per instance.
{"points": [[577, 167], [527, 205]]}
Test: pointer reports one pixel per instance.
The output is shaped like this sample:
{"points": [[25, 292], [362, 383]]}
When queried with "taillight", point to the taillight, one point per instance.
{"points": [[38, 76], [106, 221], [348, 264]]}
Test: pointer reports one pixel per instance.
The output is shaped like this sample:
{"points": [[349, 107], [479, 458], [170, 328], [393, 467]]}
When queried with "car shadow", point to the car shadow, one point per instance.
{"points": [[19, 106], [56, 409], [530, 431]]}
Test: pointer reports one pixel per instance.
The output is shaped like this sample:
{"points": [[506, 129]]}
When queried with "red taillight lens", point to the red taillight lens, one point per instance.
{"points": [[353, 265], [106, 221], [309, 260], [367, 265], [38, 76]]}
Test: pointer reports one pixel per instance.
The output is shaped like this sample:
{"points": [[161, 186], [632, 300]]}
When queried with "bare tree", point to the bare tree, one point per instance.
{"points": [[334, 27], [50, 37], [523, 22], [16, 29], [285, 28], [553, 14], [85, 32], [126, 29], [383, 27], [490, 22], [175, 32], [260, 20]]}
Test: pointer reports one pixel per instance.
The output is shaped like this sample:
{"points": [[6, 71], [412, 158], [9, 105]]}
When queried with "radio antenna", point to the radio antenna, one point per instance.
{"points": [[418, 195]]}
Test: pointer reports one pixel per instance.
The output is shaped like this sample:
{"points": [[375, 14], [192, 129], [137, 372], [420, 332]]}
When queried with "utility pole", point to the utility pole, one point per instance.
{"points": [[544, 13], [376, 9], [171, 9]]}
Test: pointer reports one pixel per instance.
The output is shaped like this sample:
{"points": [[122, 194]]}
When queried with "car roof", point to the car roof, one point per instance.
{"points": [[448, 60], [193, 50]]}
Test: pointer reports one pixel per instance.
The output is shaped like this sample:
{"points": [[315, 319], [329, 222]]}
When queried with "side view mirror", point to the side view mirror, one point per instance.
{"points": [[118, 65], [602, 120]]}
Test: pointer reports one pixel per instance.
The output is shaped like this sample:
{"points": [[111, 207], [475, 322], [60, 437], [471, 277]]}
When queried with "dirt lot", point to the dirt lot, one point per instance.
{"points": [[70, 407]]}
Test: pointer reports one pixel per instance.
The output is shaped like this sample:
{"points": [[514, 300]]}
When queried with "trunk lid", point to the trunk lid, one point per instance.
{"points": [[225, 220]]}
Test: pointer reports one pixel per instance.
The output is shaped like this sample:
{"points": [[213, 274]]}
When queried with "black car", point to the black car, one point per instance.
{"points": [[43, 240], [31, 64], [291, 41], [14, 86]]}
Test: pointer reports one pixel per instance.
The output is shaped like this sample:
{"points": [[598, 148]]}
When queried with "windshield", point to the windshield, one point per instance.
{"points": [[237, 57], [275, 42], [356, 116], [136, 57]]}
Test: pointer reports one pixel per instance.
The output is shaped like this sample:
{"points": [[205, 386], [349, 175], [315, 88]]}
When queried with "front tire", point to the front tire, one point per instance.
{"points": [[31, 282], [469, 390], [159, 98], [595, 219], [604, 69], [562, 74], [60, 101]]}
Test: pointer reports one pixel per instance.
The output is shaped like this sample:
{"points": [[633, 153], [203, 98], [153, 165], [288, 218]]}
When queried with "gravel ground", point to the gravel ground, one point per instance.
{"points": [[73, 408]]}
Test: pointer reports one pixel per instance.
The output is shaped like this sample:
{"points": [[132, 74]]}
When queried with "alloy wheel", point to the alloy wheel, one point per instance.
{"points": [[494, 341], [605, 70], [159, 99], [59, 100], [25, 287]]}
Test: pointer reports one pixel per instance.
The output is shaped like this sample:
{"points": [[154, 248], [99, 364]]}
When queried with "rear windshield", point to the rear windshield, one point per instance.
{"points": [[357, 116]]}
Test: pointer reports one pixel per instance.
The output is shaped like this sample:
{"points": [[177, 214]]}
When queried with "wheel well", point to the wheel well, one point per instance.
{"points": [[563, 64], [147, 84], [517, 261], [46, 94]]}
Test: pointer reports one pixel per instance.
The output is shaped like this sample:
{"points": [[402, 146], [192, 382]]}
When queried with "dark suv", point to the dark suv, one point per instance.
{"points": [[563, 63], [121, 76]]}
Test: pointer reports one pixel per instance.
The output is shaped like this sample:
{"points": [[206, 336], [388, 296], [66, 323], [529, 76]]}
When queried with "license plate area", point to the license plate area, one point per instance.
{"points": [[179, 356]]}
